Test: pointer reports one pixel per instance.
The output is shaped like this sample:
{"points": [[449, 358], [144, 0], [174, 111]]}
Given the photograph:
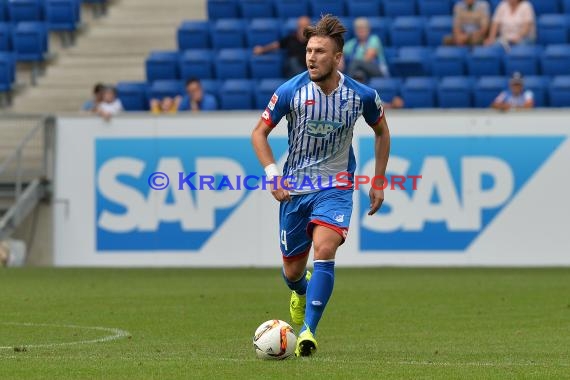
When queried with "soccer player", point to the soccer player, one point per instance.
{"points": [[321, 106]]}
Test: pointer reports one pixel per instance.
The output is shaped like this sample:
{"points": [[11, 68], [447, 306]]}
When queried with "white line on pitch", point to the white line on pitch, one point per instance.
{"points": [[115, 334]]}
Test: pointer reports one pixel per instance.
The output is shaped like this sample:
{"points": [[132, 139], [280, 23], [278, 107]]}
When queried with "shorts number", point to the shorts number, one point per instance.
{"points": [[284, 238]]}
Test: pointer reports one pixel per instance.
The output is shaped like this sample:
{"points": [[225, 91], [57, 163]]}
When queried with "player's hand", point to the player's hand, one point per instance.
{"points": [[280, 193], [376, 199]]}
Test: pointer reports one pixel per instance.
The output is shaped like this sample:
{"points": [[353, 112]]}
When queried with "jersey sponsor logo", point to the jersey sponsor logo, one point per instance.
{"points": [[273, 102], [466, 183], [321, 128], [310, 102], [130, 216]]}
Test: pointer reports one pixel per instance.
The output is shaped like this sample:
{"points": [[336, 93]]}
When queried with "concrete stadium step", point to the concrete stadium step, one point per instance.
{"points": [[110, 49]]}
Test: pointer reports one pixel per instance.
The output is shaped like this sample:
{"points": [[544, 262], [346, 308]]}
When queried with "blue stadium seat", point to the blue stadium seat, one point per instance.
{"points": [[222, 9], [7, 71], [363, 8], [485, 61], [25, 10], [193, 35], [455, 92], [555, 60], [434, 7], [487, 88], [380, 26], [412, 61], [197, 63], [264, 90], [396, 8], [387, 88], [546, 6], [228, 34], [232, 63], [212, 87], [438, 27], [322, 7], [3, 10], [522, 58], [449, 61], [237, 94], [5, 36], [262, 31], [162, 65], [566, 6], [539, 86], [133, 95], [160, 89], [494, 4], [552, 29], [257, 9], [30, 41], [348, 23], [266, 66], [407, 31], [559, 91], [291, 8], [419, 92], [289, 26], [62, 14]]}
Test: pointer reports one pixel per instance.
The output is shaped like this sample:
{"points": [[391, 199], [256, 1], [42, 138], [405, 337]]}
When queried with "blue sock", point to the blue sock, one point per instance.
{"points": [[299, 286], [318, 293]]}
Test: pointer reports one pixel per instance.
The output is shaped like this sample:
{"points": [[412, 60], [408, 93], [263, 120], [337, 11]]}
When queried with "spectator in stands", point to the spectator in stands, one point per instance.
{"points": [[513, 23], [364, 53], [91, 105], [516, 97], [295, 44], [110, 105], [470, 23], [195, 99], [165, 105]]}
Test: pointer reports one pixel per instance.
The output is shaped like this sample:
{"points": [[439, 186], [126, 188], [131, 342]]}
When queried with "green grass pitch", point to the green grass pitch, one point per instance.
{"points": [[196, 323]]}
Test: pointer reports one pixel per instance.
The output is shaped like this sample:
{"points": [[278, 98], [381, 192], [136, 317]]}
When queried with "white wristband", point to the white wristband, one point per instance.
{"points": [[271, 171]]}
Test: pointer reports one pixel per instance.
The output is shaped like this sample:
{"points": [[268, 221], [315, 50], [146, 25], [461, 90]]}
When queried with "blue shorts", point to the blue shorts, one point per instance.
{"points": [[297, 218]]}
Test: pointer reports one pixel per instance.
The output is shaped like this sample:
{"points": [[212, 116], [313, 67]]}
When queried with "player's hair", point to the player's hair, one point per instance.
{"points": [[328, 26]]}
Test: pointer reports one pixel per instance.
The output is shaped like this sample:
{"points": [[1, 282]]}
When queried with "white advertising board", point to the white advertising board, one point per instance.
{"points": [[493, 192]]}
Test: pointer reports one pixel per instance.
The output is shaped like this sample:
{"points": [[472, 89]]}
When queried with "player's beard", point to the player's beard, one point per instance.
{"points": [[323, 77]]}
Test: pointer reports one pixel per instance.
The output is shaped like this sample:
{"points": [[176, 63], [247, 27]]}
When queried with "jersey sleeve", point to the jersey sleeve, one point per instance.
{"points": [[373, 108], [277, 107]]}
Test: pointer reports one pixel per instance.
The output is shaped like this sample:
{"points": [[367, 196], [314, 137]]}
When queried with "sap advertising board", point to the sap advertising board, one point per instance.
{"points": [[186, 191]]}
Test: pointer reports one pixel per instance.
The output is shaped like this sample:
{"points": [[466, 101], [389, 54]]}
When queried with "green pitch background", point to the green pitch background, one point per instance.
{"points": [[380, 324]]}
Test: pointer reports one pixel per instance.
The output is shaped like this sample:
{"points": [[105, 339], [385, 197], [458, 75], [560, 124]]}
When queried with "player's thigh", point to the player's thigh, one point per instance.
{"points": [[331, 212], [294, 217]]}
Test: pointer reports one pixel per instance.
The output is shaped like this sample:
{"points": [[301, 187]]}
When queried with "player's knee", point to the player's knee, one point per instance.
{"points": [[294, 270], [325, 250]]}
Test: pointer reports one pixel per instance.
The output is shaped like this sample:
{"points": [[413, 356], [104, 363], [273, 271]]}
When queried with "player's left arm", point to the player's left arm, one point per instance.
{"points": [[373, 112], [382, 153]]}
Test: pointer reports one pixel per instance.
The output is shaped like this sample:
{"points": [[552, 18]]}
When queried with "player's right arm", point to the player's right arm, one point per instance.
{"points": [[266, 159], [277, 107]]}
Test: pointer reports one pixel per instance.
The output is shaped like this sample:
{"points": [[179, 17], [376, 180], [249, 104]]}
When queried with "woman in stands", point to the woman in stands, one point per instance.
{"points": [[513, 23]]}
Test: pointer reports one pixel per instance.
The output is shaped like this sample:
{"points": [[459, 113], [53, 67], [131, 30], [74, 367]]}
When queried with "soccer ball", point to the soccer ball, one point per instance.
{"points": [[274, 339]]}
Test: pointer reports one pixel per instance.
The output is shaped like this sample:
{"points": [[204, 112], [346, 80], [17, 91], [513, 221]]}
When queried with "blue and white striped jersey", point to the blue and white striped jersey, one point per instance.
{"points": [[320, 128]]}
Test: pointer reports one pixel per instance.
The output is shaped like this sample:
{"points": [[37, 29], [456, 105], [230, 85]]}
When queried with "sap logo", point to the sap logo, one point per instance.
{"points": [[465, 184], [130, 216], [321, 128], [146, 210]]}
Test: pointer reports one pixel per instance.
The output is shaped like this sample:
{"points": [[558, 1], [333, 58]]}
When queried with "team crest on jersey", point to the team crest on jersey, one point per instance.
{"points": [[344, 104], [321, 128], [273, 102]]}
